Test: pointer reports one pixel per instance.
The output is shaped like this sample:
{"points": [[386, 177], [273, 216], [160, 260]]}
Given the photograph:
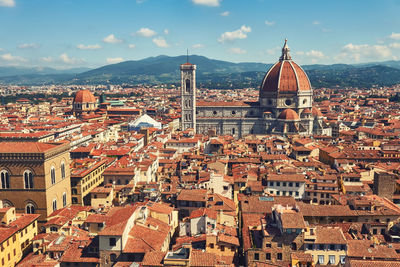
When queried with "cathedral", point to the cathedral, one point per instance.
{"points": [[285, 105]]}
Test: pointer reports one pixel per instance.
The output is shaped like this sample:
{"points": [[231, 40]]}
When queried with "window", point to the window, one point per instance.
{"points": [[297, 194], [30, 208], [271, 183], [342, 247], [62, 170], [256, 256], [233, 131], [53, 175], [222, 248], [279, 245], [331, 259], [211, 245], [112, 241], [268, 256], [288, 102], [28, 179], [187, 85], [321, 259], [342, 258], [278, 183], [113, 257], [53, 229], [279, 256], [233, 112], [284, 184], [64, 198], [297, 184], [215, 112], [321, 247], [290, 184], [332, 247], [268, 245], [310, 246], [5, 179], [54, 204]]}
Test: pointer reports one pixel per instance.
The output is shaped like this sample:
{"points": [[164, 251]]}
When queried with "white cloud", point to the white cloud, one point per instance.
{"points": [[225, 14], [47, 59], [70, 60], [166, 31], [238, 34], [365, 52], [111, 39], [394, 45], [197, 46], [140, 1], [32, 45], [146, 32], [114, 60], [316, 22], [207, 2], [7, 3], [131, 46], [274, 51], [12, 59], [269, 23], [160, 42], [237, 50], [315, 54], [88, 47], [395, 36]]}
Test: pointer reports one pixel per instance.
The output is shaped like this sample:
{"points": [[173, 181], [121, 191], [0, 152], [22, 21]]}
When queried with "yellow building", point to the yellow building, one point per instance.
{"points": [[16, 234], [35, 177], [86, 175], [327, 245]]}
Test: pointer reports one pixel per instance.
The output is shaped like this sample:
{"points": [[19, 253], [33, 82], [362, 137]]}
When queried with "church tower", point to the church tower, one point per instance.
{"points": [[188, 96]]}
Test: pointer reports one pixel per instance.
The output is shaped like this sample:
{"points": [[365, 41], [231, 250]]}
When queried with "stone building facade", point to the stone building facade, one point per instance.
{"points": [[284, 106], [35, 177]]}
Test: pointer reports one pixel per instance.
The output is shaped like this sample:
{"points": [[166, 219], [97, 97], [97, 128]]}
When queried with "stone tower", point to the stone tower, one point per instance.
{"points": [[188, 96]]}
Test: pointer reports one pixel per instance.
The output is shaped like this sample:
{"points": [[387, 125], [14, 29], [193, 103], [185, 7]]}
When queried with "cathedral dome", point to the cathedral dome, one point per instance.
{"points": [[84, 96], [285, 76], [289, 114], [316, 112]]}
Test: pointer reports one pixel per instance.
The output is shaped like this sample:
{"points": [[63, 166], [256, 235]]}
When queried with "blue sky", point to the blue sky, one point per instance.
{"points": [[92, 33]]}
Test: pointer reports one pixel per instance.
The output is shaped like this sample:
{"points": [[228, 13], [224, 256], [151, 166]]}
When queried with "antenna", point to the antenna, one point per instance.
{"points": [[187, 55]]}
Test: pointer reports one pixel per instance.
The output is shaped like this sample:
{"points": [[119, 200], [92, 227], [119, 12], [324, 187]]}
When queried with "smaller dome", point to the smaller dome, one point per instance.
{"points": [[84, 96], [316, 112], [289, 114], [306, 111]]}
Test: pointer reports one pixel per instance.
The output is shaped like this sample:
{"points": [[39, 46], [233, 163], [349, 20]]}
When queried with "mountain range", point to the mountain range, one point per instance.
{"points": [[210, 73]]}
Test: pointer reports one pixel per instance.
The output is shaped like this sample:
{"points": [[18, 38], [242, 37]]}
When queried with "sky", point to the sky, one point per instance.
{"points": [[91, 33]]}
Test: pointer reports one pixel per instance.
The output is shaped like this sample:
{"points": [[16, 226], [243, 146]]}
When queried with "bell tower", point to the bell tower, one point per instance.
{"points": [[188, 96]]}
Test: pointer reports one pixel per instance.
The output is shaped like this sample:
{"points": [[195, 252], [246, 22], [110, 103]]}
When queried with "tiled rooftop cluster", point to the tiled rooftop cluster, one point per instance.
{"points": [[145, 193]]}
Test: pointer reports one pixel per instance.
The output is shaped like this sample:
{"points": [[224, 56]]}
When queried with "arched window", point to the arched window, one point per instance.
{"points": [[28, 179], [53, 175], [4, 179], [64, 198], [233, 131], [30, 208], [62, 170], [54, 204], [187, 85]]}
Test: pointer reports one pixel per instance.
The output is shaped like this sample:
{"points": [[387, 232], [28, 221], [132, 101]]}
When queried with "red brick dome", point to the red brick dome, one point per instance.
{"points": [[285, 76], [316, 112], [289, 114], [306, 111], [84, 96]]}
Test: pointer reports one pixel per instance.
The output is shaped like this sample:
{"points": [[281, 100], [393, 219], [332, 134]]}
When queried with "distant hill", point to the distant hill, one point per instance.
{"points": [[210, 73]]}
